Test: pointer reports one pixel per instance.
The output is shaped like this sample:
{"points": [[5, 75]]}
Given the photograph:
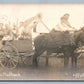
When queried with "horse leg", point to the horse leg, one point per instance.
{"points": [[37, 54], [66, 61], [75, 62], [72, 61], [66, 56], [47, 58], [34, 60]]}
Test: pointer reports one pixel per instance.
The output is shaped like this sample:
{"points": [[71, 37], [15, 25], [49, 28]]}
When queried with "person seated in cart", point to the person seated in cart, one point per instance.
{"points": [[26, 31], [15, 32], [7, 32], [27, 26], [1, 31], [64, 24], [1, 34]]}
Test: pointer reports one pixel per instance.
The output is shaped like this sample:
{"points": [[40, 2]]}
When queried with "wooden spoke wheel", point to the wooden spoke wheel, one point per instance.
{"points": [[9, 56]]}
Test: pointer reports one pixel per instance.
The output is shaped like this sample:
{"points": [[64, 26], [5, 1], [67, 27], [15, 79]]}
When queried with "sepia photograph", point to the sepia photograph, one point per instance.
{"points": [[42, 42]]}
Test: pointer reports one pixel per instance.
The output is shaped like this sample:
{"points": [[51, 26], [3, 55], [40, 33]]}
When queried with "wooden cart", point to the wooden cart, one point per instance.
{"points": [[12, 51]]}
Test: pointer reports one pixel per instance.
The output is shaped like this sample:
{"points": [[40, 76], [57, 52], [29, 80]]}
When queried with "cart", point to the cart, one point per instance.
{"points": [[11, 51]]}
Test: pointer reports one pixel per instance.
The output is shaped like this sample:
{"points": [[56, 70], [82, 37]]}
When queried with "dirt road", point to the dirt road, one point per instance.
{"points": [[54, 71]]}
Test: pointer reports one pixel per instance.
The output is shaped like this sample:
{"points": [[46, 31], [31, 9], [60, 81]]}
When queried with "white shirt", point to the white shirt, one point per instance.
{"points": [[60, 27]]}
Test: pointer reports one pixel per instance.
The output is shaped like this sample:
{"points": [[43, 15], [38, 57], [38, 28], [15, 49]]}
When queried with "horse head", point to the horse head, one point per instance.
{"points": [[79, 37]]}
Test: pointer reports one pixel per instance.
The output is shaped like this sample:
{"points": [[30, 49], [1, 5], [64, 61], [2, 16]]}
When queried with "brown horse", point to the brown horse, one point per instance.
{"points": [[61, 42]]}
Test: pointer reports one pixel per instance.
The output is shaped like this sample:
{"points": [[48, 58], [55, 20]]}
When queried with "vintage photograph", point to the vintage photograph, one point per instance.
{"points": [[41, 42]]}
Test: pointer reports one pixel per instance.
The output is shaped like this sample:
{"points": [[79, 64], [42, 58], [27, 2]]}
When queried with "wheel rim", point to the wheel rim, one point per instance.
{"points": [[9, 57]]}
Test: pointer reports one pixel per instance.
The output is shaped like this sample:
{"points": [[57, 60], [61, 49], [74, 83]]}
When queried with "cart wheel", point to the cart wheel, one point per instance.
{"points": [[27, 60], [9, 57]]}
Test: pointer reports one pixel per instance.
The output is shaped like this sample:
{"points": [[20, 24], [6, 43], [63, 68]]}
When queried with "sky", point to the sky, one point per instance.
{"points": [[51, 14]]}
